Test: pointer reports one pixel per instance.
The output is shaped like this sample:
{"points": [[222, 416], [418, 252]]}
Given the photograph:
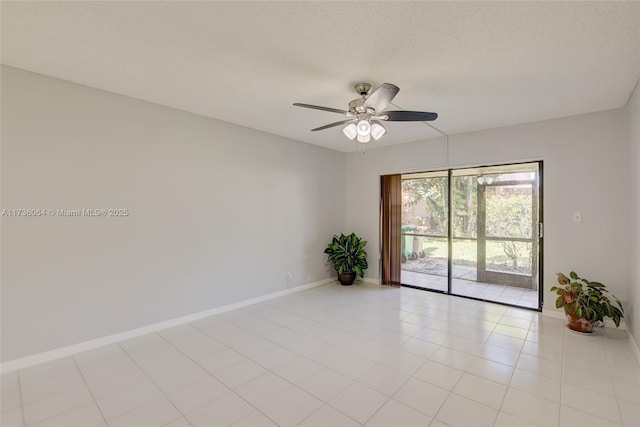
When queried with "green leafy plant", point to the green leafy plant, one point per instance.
{"points": [[346, 253], [587, 300]]}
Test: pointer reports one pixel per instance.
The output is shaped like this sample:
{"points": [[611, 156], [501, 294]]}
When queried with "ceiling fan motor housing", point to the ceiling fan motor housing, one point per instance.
{"points": [[357, 106], [363, 89]]}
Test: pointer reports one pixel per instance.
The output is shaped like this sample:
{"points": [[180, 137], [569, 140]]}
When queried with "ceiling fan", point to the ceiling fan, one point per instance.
{"points": [[366, 113]]}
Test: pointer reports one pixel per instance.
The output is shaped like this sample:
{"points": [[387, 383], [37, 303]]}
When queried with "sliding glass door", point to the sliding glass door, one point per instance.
{"points": [[425, 207], [474, 232], [496, 233]]}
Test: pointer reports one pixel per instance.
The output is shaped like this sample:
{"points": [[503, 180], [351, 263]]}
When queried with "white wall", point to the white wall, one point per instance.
{"points": [[218, 213], [585, 170], [633, 309]]}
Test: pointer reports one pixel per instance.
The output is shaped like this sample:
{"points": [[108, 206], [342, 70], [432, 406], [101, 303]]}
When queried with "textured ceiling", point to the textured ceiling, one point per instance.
{"points": [[478, 64]]}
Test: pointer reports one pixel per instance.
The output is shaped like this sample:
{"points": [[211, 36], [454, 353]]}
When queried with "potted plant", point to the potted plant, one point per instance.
{"points": [[585, 302], [348, 257]]}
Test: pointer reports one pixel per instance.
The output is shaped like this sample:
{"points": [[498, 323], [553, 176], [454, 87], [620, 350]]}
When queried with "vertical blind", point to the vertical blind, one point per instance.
{"points": [[391, 215]]}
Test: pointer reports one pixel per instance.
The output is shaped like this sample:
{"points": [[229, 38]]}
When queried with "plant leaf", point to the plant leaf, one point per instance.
{"points": [[559, 302], [562, 279]]}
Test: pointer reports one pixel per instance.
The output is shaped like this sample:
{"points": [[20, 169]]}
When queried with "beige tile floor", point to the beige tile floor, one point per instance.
{"points": [[342, 356]]}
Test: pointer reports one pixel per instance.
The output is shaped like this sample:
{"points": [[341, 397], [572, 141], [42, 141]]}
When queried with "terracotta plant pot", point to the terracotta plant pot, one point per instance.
{"points": [[578, 324], [347, 278]]}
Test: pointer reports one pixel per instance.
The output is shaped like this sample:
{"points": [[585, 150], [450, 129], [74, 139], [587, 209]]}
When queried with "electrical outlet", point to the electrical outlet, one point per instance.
{"points": [[577, 217]]}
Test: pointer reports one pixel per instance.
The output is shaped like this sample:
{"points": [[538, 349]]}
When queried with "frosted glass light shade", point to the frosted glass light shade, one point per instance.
{"points": [[377, 131], [350, 130], [364, 138], [364, 128]]}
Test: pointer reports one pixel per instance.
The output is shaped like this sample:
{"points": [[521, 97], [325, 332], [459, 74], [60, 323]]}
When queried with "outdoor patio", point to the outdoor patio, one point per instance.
{"points": [[464, 283]]}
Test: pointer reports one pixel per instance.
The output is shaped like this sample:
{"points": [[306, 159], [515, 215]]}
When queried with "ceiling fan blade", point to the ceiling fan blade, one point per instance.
{"points": [[409, 116], [335, 124], [329, 109], [381, 97]]}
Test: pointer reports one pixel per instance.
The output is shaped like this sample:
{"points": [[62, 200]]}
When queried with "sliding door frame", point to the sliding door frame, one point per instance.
{"points": [[539, 230], [540, 235], [449, 234]]}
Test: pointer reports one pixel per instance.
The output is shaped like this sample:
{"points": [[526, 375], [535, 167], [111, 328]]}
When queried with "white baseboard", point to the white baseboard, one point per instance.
{"points": [[556, 314], [58, 353], [369, 281], [634, 346]]}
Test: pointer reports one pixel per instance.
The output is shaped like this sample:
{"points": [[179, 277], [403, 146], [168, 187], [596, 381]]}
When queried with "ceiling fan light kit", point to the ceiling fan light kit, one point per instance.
{"points": [[366, 112]]}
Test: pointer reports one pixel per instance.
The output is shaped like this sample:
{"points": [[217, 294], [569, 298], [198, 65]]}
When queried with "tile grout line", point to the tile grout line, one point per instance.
{"points": [[209, 374], [101, 362], [24, 420], [325, 403], [511, 378], [327, 367], [562, 371], [214, 377], [152, 382], [86, 383], [394, 393], [300, 355], [450, 392], [514, 370], [337, 410], [615, 392], [315, 339]]}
